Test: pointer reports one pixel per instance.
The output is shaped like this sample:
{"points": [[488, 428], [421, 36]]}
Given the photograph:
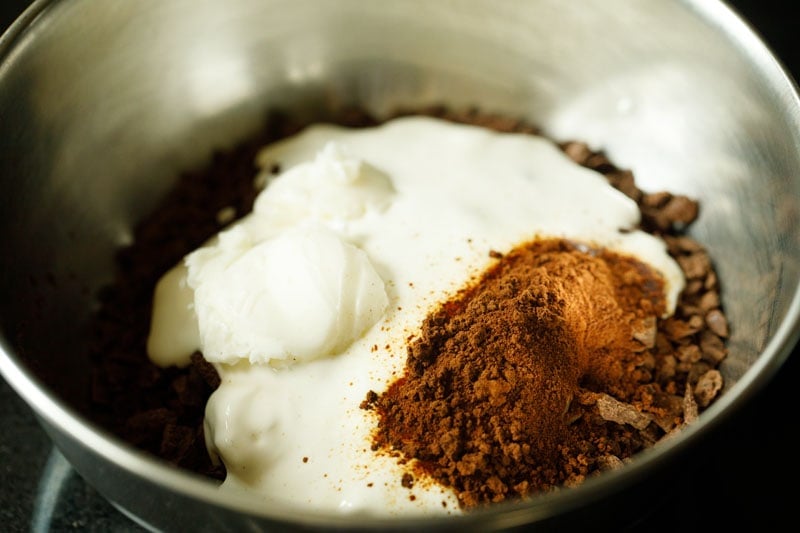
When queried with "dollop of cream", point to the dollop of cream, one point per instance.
{"points": [[334, 187], [246, 430], [250, 297], [242, 295]]}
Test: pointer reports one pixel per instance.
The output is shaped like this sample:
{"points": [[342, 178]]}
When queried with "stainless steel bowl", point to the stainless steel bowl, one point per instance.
{"points": [[103, 102]]}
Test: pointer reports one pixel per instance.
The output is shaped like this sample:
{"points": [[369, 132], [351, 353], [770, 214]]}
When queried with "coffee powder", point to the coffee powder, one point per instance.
{"points": [[486, 403]]}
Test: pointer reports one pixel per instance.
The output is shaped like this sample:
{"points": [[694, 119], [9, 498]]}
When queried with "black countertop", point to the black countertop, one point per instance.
{"points": [[736, 480]]}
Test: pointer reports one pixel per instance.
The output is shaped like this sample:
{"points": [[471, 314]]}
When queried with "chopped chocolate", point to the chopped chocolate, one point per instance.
{"points": [[707, 387], [621, 413]]}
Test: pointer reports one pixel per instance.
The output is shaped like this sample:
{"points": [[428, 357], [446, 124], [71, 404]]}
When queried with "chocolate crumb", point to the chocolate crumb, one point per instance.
{"points": [[369, 402], [690, 408], [708, 386], [717, 322], [621, 413], [609, 462]]}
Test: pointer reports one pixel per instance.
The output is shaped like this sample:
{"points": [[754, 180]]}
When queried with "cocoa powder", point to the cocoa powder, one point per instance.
{"points": [[485, 405]]}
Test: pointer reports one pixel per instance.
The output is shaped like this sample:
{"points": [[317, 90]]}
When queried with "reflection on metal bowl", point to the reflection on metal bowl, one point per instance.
{"points": [[102, 104]]}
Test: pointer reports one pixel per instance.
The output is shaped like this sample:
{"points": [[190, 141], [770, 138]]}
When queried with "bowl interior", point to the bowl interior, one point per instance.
{"points": [[102, 104]]}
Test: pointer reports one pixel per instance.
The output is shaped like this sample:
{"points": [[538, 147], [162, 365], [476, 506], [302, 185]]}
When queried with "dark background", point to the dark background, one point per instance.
{"points": [[740, 478]]}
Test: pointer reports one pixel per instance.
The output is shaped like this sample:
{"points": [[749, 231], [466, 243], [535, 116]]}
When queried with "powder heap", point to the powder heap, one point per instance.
{"points": [[485, 405]]}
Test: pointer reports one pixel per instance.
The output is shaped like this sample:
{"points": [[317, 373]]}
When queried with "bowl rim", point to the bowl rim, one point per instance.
{"points": [[51, 412]]}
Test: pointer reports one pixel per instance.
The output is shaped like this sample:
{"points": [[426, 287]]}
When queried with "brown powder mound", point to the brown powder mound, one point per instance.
{"points": [[485, 403]]}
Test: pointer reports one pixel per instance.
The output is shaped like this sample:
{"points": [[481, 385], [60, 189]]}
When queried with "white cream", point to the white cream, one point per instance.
{"points": [[334, 187], [249, 296], [307, 303]]}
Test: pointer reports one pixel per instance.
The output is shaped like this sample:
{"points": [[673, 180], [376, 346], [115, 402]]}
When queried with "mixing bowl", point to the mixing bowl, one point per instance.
{"points": [[104, 103]]}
